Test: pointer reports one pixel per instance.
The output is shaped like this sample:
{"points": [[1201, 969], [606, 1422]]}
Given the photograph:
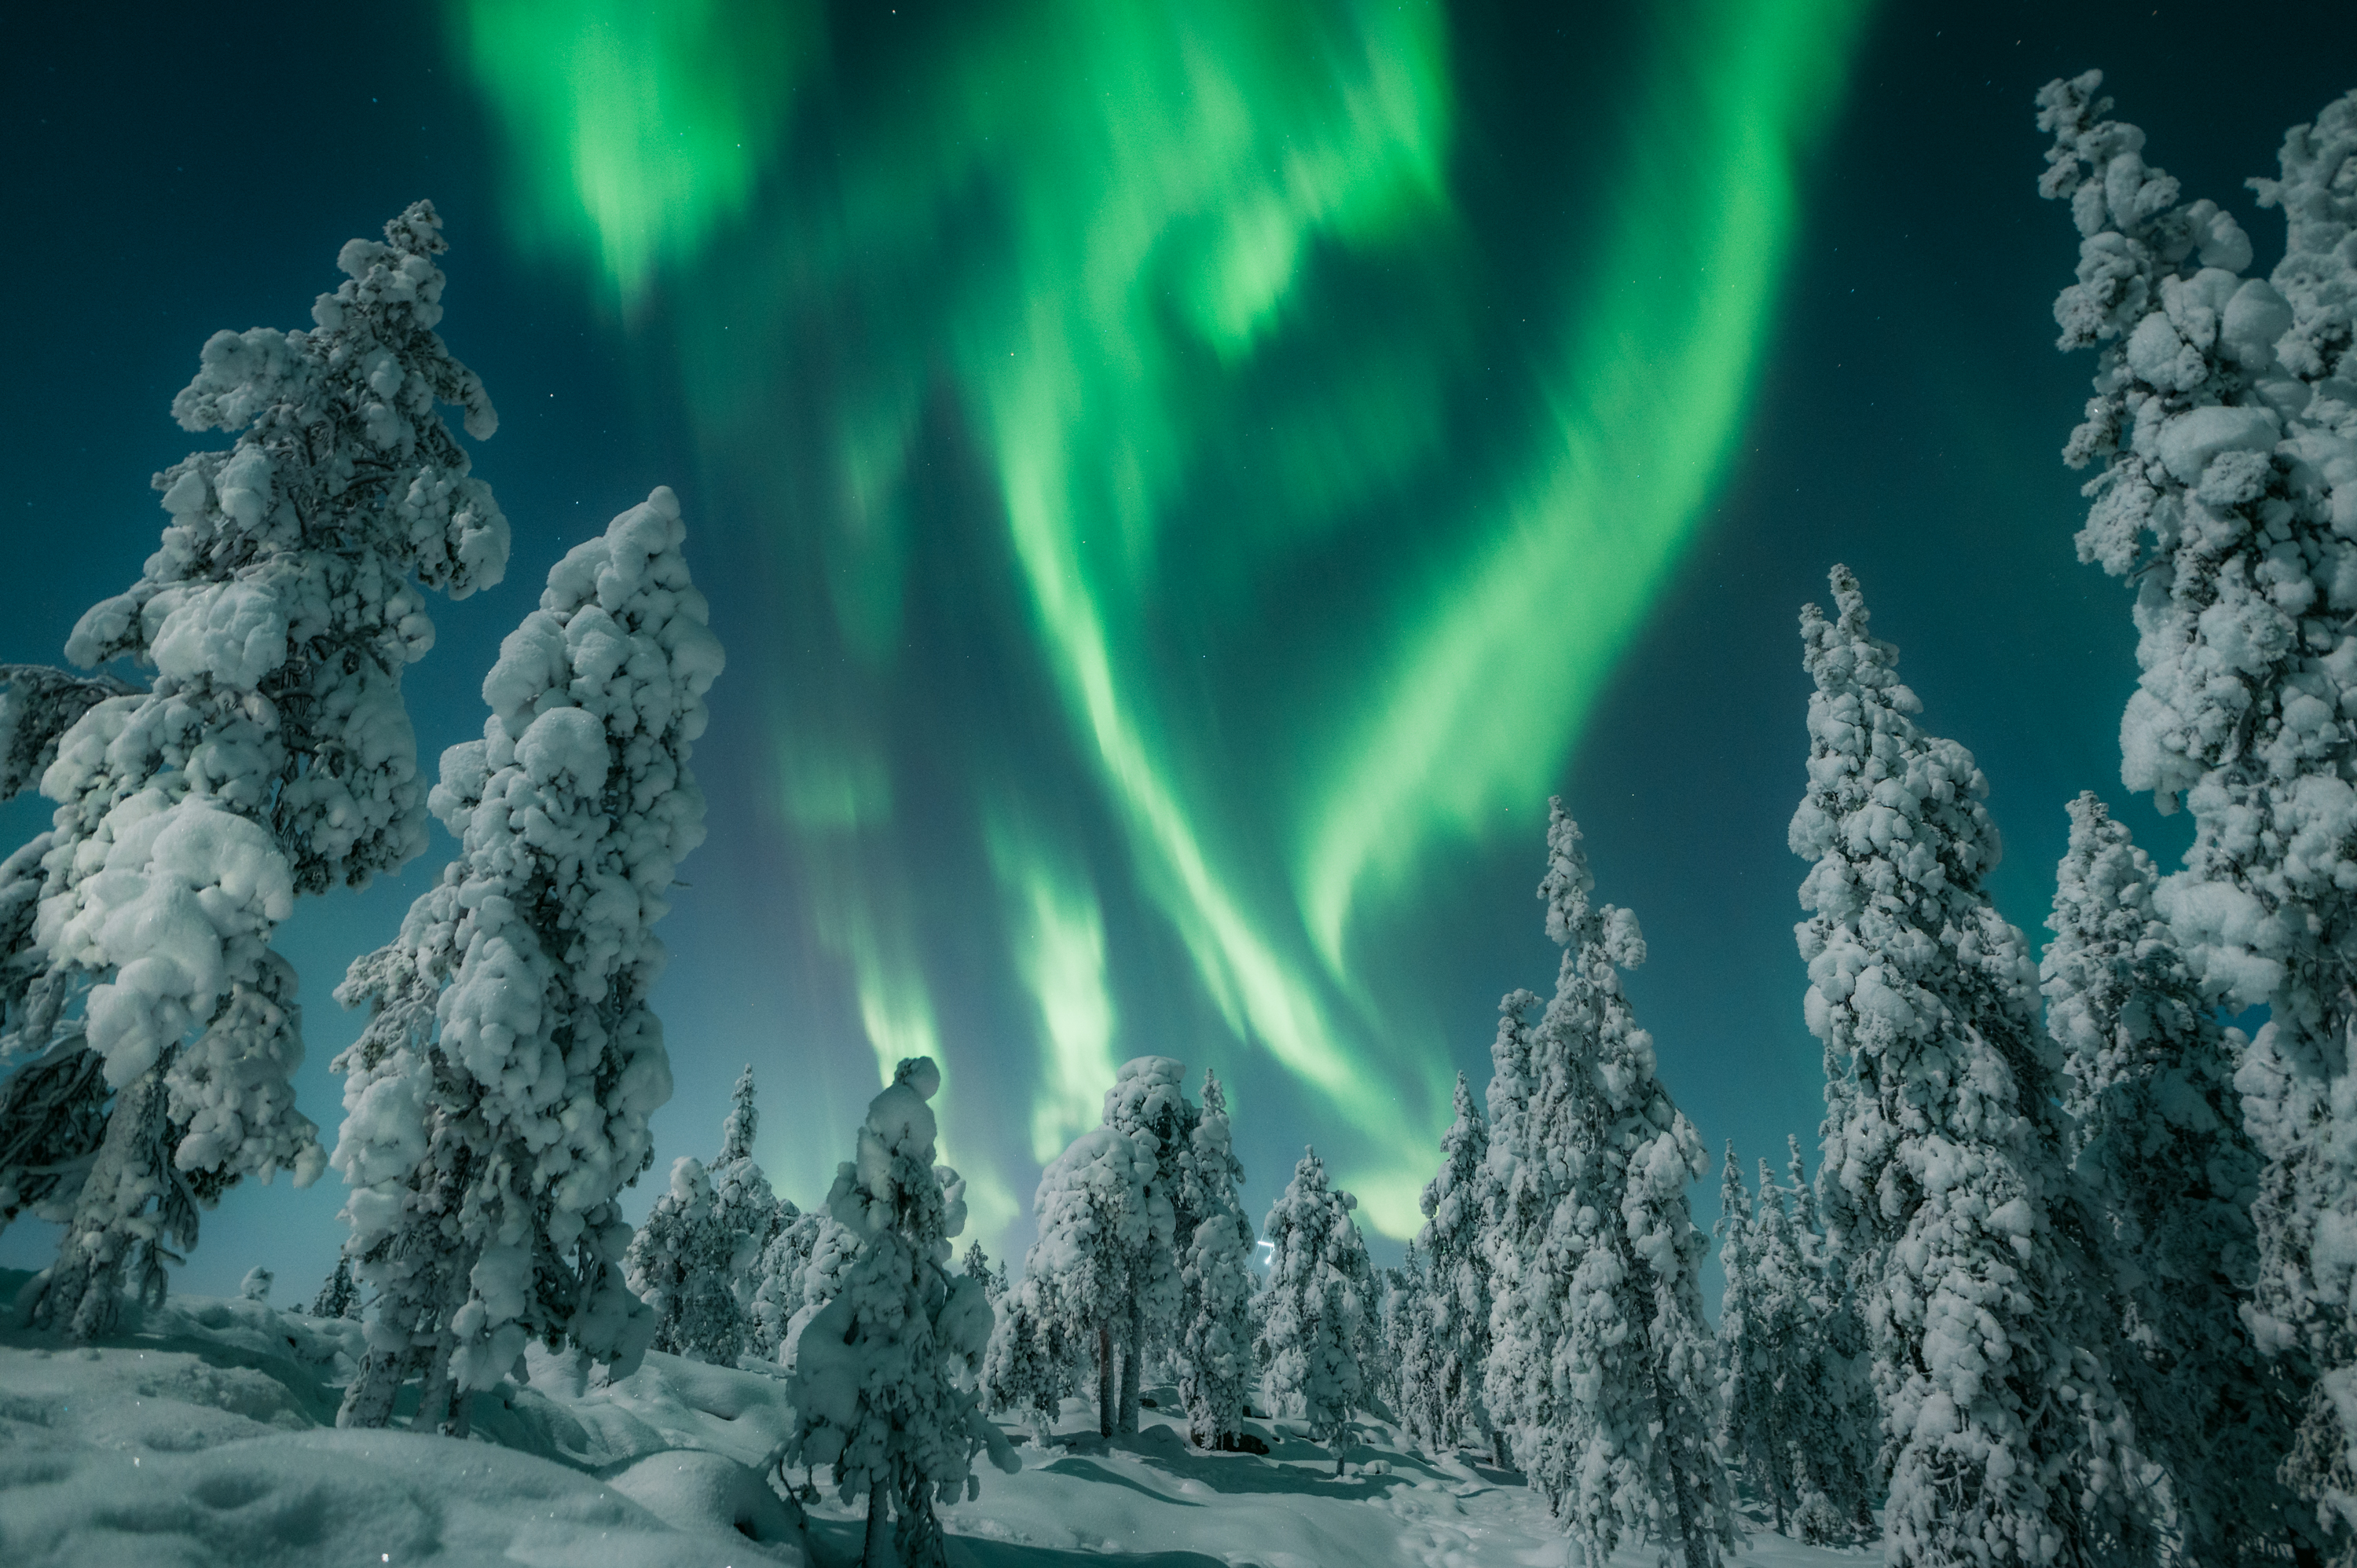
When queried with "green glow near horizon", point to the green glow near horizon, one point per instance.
{"points": [[641, 128], [1116, 235]]}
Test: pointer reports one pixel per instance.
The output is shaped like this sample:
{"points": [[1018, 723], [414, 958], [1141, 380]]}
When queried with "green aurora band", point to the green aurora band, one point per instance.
{"points": [[1196, 288]]}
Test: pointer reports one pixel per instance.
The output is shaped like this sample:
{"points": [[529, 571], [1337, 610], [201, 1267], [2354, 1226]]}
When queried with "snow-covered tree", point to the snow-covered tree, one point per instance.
{"points": [[1746, 1370], [1104, 1240], [1028, 1367], [1148, 1102], [1315, 1306], [1944, 1180], [255, 1286], [975, 1266], [148, 1032], [496, 1102], [884, 1377], [1440, 1384], [696, 1261], [2149, 1079], [340, 1296], [1216, 1285], [1603, 1324], [1820, 1447], [798, 1272], [2221, 418], [678, 1263], [1406, 1314], [1517, 1205]]}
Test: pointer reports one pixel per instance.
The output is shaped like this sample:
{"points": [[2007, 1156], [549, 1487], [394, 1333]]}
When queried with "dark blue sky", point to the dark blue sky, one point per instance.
{"points": [[1899, 408]]}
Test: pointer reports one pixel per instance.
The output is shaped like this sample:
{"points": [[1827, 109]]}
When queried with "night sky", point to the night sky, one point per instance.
{"points": [[1180, 487]]}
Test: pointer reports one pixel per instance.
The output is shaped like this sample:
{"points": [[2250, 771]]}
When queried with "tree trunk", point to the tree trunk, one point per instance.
{"points": [[917, 1535], [1498, 1450], [1107, 1375], [878, 1552], [1132, 1358]]}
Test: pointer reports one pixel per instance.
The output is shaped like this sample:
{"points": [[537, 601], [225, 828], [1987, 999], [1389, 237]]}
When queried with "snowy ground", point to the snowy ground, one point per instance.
{"points": [[205, 1435]]}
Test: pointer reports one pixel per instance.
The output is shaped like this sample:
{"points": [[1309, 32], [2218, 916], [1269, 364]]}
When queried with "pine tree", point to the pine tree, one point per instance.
{"points": [[1148, 1102], [1315, 1306], [1215, 1364], [680, 1263], [1945, 1179], [339, 1297], [1610, 1340], [743, 1204], [1440, 1386], [152, 1031], [1104, 1240], [496, 1102], [975, 1266], [1516, 1204], [2149, 1077], [883, 1381], [799, 1272], [1820, 1448], [1027, 1369], [2219, 410], [1406, 1314], [1748, 1433]]}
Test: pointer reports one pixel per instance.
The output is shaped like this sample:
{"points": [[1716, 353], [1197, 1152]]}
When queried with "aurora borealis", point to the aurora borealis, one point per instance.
{"points": [[1180, 487]]}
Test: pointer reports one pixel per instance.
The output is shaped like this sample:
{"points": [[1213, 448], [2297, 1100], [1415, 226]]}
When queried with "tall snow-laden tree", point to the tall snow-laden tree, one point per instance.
{"points": [[496, 1102], [1403, 1294], [1440, 1386], [1214, 1355], [743, 1203], [1148, 1102], [1104, 1239], [1515, 1209], [1748, 1367], [147, 1031], [1945, 1180], [883, 1383], [1607, 1327], [1319, 1296], [798, 1272], [2221, 419], [340, 1296], [1821, 1446], [2149, 1079]]}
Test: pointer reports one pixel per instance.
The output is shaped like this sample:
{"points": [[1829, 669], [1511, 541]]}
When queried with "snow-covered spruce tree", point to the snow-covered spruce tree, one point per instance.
{"points": [[1515, 1211], [2149, 1077], [1216, 1285], [1406, 1315], [340, 1296], [496, 1104], [1319, 1295], [975, 1266], [1104, 1240], [2223, 419], [696, 1261], [1945, 1180], [1605, 1318], [1747, 1371], [1148, 1100], [883, 1383], [148, 1033], [1440, 1387], [798, 1272], [1026, 1370], [678, 1262], [1820, 1434]]}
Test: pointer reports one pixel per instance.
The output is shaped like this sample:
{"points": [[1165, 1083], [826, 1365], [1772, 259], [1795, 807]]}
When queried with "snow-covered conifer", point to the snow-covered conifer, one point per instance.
{"points": [[1440, 1385], [2223, 421], [1820, 1448], [1746, 1370], [1216, 1285], [1602, 1324], [678, 1262], [339, 1297], [496, 1102], [1406, 1318], [975, 1266], [1317, 1305], [1148, 1100], [1945, 1182], [1104, 1240], [2149, 1079], [1028, 1367], [883, 1380], [1515, 1209], [256, 1284], [743, 1205], [270, 757]]}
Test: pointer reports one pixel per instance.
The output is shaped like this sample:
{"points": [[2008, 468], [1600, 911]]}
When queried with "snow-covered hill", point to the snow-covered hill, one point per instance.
{"points": [[204, 1434]]}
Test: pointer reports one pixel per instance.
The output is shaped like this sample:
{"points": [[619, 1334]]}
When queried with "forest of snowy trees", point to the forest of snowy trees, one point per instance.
{"points": [[2072, 1279]]}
